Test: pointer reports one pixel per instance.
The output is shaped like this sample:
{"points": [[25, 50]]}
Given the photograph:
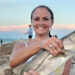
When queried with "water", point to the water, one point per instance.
{"points": [[7, 40], [61, 32], [17, 36]]}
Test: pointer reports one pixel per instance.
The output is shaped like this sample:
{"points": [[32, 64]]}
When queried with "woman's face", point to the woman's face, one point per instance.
{"points": [[41, 21]]}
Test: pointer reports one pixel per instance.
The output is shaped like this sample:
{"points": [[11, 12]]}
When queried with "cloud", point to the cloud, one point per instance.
{"points": [[23, 28], [71, 26], [20, 28]]}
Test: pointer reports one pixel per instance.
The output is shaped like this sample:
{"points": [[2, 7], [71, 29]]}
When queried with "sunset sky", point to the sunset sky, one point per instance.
{"points": [[15, 15]]}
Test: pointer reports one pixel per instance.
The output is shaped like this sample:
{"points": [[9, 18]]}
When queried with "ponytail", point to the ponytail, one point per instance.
{"points": [[50, 34]]}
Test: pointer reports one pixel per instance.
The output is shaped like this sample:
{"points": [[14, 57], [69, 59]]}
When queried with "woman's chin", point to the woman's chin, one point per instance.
{"points": [[40, 33]]}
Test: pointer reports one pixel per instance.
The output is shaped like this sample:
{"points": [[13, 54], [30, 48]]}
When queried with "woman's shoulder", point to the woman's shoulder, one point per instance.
{"points": [[19, 44], [23, 43]]}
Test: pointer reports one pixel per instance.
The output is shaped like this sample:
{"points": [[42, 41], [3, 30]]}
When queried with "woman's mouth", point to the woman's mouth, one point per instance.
{"points": [[40, 28]]}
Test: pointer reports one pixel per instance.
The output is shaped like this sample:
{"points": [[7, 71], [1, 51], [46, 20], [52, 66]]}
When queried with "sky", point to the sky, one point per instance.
{"points": [[15, 16]]}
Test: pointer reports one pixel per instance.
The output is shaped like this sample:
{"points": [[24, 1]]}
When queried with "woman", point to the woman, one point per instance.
{"points": [[42, 20]]}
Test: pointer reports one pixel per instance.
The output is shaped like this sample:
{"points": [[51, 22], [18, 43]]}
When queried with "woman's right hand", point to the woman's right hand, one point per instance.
{"points": [[31, 73], [53, 45]]}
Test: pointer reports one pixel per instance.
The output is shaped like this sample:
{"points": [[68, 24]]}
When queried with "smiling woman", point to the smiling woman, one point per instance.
{"points": [[42, 20]]}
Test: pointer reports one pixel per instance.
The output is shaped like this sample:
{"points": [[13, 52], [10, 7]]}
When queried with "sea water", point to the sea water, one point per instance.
{"points": [[12, 37]]}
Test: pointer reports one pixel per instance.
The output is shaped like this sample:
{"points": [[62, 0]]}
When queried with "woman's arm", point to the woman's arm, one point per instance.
{"points": [[20, 53]]}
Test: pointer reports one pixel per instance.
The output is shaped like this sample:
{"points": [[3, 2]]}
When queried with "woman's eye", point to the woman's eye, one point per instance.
{"points": [[46, 19], [36, 19]]}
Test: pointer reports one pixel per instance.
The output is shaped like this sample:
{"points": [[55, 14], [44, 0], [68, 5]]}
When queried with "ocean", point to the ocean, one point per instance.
{"points": [[4, 41], [17, 36]]}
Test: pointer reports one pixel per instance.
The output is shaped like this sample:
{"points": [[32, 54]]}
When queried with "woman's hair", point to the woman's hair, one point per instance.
{"points": [[50, 11], [43, 6], [50, 34]]}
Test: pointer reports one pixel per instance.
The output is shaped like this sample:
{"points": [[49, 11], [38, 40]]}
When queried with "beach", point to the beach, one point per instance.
{"points": [[5, 51]]}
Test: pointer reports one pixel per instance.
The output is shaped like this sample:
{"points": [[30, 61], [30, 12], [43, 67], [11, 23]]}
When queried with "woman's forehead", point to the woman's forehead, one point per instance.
{"points": [[41, 12]]}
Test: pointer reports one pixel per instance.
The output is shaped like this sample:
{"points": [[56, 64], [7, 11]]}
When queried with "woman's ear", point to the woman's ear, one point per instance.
{"points": [[52, 23]]}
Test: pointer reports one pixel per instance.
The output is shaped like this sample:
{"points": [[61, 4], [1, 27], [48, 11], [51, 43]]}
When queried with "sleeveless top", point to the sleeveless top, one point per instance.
{"points": [[26, 45]]}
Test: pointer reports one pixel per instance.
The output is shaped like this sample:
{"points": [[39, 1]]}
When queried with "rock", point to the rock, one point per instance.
{"points": [[9, 72], [6, 70], [4, 59]]}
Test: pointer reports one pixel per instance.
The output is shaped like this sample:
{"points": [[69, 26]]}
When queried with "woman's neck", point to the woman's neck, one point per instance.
{"points": [[39, 38]]}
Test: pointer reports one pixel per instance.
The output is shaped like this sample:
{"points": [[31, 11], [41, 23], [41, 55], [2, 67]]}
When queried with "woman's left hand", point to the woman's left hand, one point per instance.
{"points": [[31, 73], [52, 45]]}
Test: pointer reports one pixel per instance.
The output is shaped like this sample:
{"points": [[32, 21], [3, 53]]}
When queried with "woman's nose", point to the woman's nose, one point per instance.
{"points": [[40, 22]]}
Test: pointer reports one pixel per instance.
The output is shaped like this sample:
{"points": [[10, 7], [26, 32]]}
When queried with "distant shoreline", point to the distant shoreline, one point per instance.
{"points": [[12, 41], [5, 41]]}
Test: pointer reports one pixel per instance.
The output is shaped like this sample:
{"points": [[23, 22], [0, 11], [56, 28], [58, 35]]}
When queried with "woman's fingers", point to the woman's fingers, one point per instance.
{"points": [[25, 73], [52, 50], [53, 45], [59, 42], [56, 46], [32, 72]]}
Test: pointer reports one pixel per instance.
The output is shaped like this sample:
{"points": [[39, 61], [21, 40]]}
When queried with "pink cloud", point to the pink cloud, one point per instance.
{"points": [[23, 28], [4, 28], [14, 27], [72, 26]]}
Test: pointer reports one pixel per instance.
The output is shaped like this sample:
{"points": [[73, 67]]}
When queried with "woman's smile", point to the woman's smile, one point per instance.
{"points": [[40, 27]]}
